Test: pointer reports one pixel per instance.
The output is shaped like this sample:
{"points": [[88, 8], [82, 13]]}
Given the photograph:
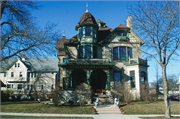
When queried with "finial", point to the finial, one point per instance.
{"points": [[63, 33], [87, 7]]}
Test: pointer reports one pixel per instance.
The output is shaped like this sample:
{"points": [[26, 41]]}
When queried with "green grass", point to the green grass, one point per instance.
{"points": [[160, 117], [49, 117], [156, 107], [34, 107]]}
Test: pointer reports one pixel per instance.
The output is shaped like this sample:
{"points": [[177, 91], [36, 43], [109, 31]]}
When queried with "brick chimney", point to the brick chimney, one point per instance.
{"points": [[129, 22], [23, 57]]}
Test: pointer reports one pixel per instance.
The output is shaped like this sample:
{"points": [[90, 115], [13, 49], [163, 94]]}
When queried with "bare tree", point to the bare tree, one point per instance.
{"points": [[158, 22], [21, 35]]}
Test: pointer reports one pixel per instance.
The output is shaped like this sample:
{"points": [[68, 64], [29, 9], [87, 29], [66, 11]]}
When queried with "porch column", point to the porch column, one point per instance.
{"points": [[88, 78], [108, 80], [67, 78]]}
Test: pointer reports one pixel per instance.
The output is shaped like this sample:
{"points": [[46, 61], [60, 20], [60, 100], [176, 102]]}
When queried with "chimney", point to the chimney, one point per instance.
{"points": [[23, 57], [129, 22]]}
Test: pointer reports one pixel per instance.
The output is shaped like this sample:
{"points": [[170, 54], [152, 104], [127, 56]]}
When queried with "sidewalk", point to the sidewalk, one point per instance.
{"points": [[95, 116]]}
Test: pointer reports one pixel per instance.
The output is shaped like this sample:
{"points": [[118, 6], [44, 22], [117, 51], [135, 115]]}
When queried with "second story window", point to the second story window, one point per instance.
{"points": [[88, 31], [18, 64], [80, 52], [19, 87], [4, 74], [12, 74], [87, 51], [122, 53], [15, 65], [31, 75], [20, 74]]}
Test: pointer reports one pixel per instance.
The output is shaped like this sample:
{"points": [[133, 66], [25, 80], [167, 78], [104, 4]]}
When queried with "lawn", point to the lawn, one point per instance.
{"points": [[45, 117], [35, 107], [156, 107]]}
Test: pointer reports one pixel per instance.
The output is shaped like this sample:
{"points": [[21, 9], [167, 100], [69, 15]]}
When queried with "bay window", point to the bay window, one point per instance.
{"points": [[122, 53], [87, 51]]}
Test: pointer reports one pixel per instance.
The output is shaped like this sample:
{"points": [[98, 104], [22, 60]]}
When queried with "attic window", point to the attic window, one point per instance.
{"points": [[15, 65], [18, 64], [122, 33]]}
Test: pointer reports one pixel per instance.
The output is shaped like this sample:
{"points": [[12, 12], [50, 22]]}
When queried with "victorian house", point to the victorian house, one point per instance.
{"points": [[101, 57]]}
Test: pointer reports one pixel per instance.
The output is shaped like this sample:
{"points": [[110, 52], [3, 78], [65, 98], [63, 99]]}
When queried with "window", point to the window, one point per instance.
{"points": [[143, 77], [117, 78], [12, 74], [18, 64], [132, 79], [28, 87], [34, 74], [64, 60], [19, 87], [31, 75], [4, 74], [129, 52], [87, 51], [41, 87], [52, 72], [12, 86], [20, 74], [8, 86], [88, 31], [28, 75], [15, 65], [94, 33], [115, 53], [52, 87], [80, 52], [81, 32], [122, 33], [42, 73], [122, 53]]}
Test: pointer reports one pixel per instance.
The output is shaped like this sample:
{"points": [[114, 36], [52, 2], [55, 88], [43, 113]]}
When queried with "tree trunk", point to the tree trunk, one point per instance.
{"points": [[166, 101]]}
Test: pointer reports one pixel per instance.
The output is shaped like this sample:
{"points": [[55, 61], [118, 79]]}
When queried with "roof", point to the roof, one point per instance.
{"points": [[87, 19], [99, 21], [33, 64], [103, 32], [121, 26], [60, 42]]}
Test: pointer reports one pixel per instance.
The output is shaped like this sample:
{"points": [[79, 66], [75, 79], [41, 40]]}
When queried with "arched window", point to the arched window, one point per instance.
{"points": [[143, 77]]}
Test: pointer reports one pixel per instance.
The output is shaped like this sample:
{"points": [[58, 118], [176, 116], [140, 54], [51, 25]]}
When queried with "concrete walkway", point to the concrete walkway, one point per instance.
{"points": [[95, 116], [107, 109]]}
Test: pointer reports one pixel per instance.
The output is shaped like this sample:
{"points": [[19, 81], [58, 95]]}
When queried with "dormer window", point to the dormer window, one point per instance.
{"points": [[88, 31], [122, 33]]}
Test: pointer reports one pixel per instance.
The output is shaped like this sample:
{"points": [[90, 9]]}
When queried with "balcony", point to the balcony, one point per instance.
{"points": [[136, 61], [87, 62]]}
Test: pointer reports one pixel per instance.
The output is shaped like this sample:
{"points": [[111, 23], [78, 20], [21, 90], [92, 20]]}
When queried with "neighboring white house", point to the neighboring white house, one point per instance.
{"points": [[23, 76]]}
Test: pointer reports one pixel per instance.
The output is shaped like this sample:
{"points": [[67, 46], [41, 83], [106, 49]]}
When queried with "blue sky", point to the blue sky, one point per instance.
{"points": [[67, 14]]}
